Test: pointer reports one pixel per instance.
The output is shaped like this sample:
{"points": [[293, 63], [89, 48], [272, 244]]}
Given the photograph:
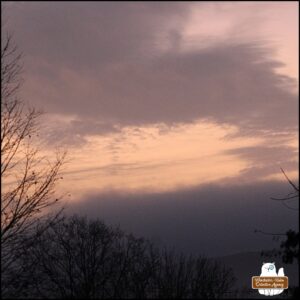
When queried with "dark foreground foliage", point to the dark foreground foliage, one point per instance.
{"points": [[80, 258]]}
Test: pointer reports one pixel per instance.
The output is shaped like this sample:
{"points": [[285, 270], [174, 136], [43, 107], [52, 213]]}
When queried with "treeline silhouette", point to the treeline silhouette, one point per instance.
{"points": [[81, 258]]}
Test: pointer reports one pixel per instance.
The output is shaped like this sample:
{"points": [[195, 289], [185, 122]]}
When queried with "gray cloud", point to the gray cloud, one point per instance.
{"points": [[74, 133], [210, 219], [265, 159], [84, 35], [225, 84], [102, 61]]}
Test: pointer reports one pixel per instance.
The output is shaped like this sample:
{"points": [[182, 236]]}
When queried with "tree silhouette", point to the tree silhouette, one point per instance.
{"points": [[289, 248], [28, 178], [81, 258]]}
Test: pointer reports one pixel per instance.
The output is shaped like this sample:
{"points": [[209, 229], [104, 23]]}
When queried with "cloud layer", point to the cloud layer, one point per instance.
{"points": [[123, 63], [210, 219]]}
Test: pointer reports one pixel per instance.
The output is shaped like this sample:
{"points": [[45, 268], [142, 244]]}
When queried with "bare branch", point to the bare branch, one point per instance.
{"points": [[29, 198], [291, 196], [290, 182]]}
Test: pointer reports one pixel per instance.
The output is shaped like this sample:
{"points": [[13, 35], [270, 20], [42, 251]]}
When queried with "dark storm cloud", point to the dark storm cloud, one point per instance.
{"points": [[210, 219], [102, 61]]}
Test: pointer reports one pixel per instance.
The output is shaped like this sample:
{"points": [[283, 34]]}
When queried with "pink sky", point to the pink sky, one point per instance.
{"points": [[194, 148], [163, 97]]}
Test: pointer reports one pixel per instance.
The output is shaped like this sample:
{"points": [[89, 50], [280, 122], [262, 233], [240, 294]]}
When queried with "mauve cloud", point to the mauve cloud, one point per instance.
{"points": [[103, 61], [266, 159], [211, 219], [233, 84]]}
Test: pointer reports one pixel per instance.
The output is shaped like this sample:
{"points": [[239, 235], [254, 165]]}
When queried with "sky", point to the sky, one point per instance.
{"points": [[176, 116]]}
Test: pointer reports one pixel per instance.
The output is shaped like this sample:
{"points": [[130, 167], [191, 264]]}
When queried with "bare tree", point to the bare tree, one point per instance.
{"points": [[291, 197], [290, 246], [288, 250], [181, 277], [81, 258], [28, 178]]}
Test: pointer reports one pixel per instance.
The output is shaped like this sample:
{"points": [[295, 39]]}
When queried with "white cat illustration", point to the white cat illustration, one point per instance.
{"points": [[269, 270]]}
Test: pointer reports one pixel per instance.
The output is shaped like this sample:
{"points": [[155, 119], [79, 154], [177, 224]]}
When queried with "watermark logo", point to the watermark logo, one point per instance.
{"points": [[270, 283]]}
